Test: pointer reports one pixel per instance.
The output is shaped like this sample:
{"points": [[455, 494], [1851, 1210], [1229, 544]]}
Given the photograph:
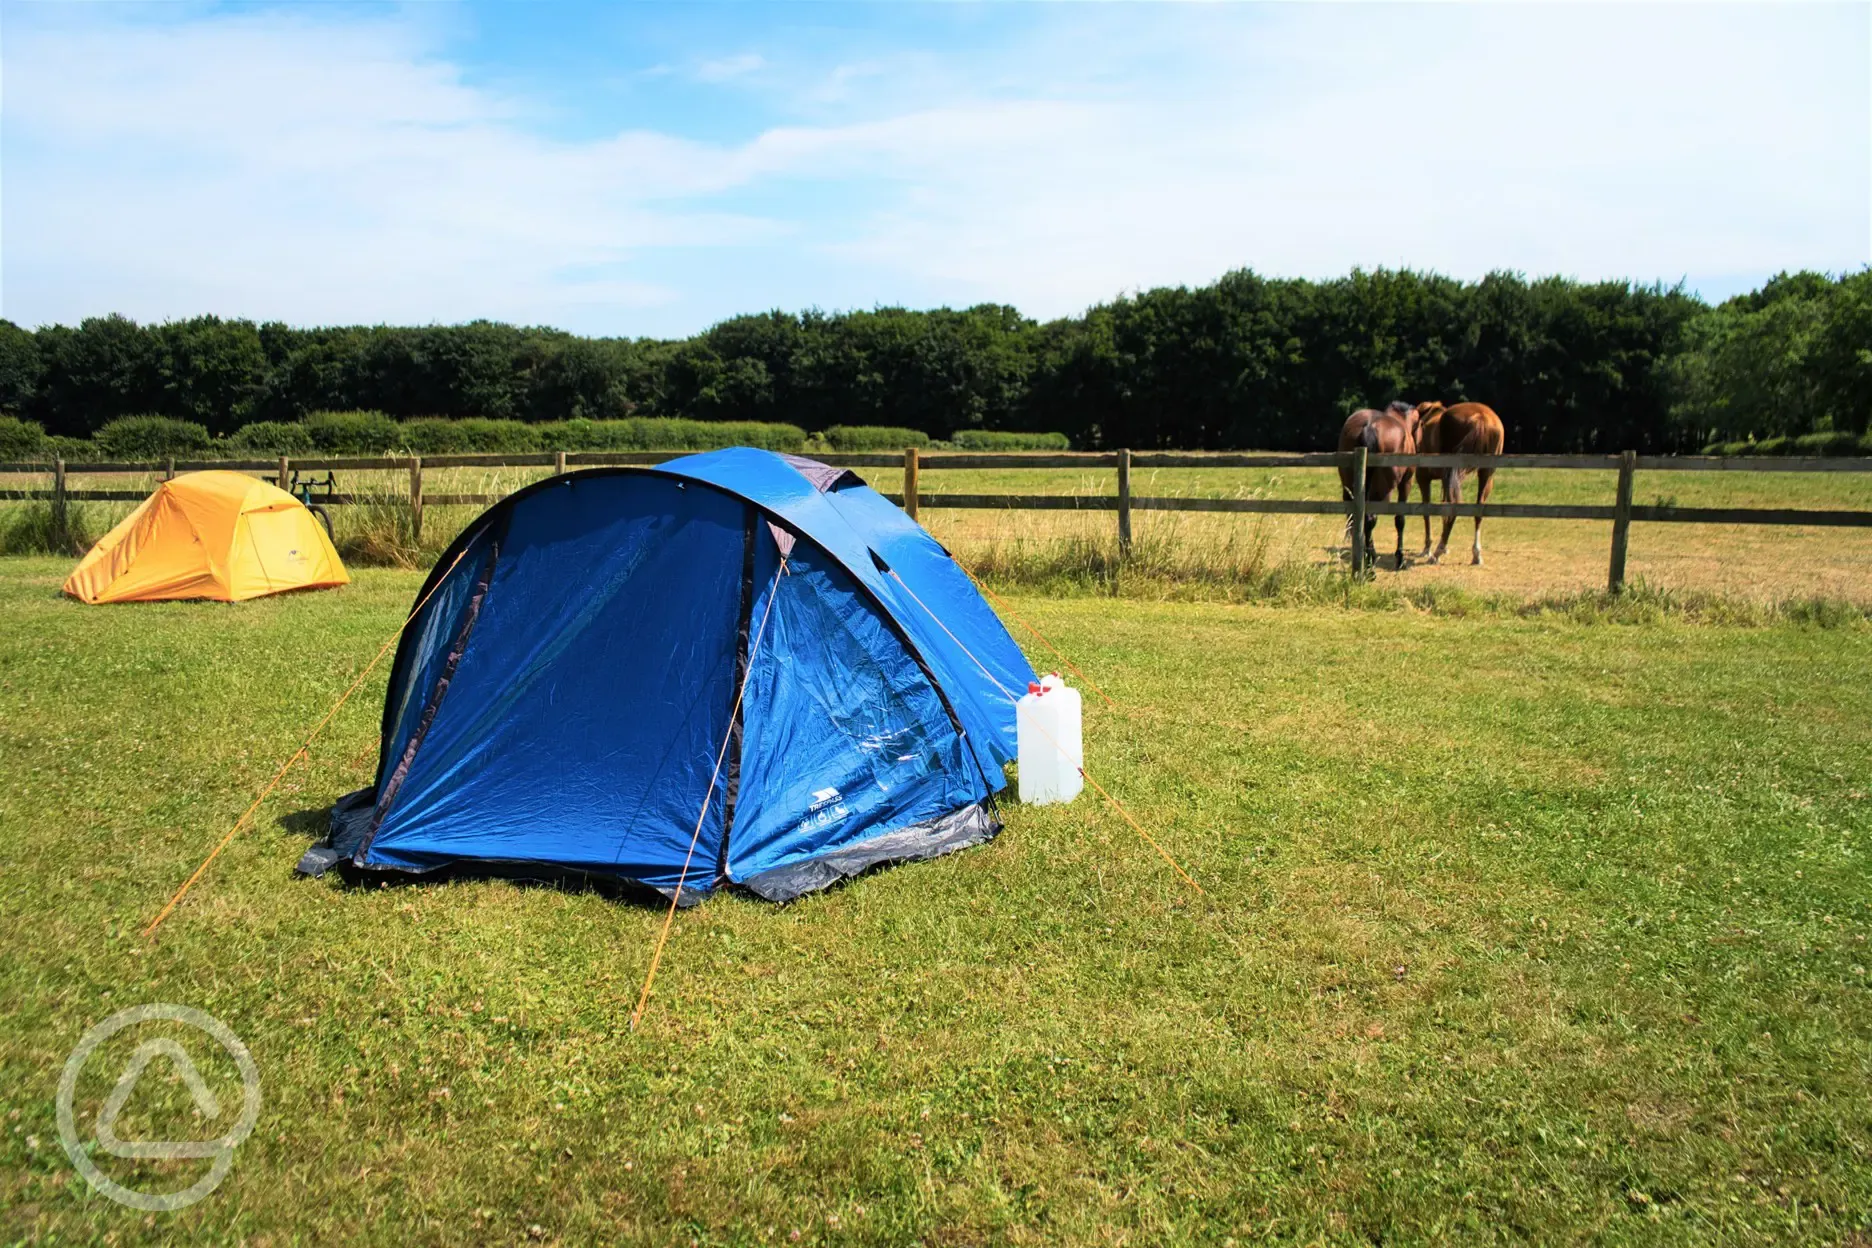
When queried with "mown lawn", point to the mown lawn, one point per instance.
{"points": [[1514, 929]]}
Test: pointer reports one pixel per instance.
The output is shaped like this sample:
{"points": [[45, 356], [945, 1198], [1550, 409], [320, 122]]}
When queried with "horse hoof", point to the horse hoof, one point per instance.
{"points": [[1476, 562], [1433, 558]]}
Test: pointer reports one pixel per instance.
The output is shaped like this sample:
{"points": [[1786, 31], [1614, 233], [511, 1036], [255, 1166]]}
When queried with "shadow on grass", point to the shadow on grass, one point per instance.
{"points": [[314, 824], [523, 875]]}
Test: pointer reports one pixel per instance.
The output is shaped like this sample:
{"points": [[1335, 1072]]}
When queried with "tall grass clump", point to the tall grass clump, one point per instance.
{"points": [[1000, 440], [146, 437], [378, 531], [30, 528], [665, 433], [873, 438], [1168, 559], [21, 439]]}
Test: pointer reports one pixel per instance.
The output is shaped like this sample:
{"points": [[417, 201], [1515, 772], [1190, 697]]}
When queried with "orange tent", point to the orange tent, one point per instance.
{"points": [[220, 535]]}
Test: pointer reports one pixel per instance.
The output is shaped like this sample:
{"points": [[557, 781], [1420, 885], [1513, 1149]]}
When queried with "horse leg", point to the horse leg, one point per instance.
{"points": [[1452, 498], [1485, 478], [1403, 496], [1423, 484]]}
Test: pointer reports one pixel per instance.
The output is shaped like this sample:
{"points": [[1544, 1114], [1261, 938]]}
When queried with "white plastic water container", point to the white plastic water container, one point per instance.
{"points": [[1048, 743]]}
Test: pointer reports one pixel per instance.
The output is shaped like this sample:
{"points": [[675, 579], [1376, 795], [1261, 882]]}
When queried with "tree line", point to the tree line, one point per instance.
{"points": [[1245, 362]]}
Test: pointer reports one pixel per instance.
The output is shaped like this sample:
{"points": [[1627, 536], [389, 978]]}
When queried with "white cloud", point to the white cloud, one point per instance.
{"points": [[332, 169], [1590, 142], [276, 167], [730, 67]]}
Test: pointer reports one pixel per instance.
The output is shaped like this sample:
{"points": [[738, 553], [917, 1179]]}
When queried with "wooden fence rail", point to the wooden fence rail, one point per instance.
{"points": [[1622, 512]]}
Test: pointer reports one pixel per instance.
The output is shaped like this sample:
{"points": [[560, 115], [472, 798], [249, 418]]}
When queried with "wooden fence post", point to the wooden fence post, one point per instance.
{"points": [[61, 529], [558, 463], [1621, 523], [1358, 511], [284, 480], [1124, 504], [910, 482], [169, 469], [415, 498]]}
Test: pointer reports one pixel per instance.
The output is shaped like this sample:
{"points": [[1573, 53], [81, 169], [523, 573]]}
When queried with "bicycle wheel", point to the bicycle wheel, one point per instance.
{"points": [[324, 517]]}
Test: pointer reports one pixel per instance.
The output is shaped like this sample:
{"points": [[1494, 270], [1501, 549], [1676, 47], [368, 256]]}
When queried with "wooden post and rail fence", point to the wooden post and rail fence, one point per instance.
{"points": [[1622, 512]]}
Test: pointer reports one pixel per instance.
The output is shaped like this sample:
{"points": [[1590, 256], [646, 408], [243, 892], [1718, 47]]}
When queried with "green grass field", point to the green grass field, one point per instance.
{"points": [[1515, 929], [1258, 557]]}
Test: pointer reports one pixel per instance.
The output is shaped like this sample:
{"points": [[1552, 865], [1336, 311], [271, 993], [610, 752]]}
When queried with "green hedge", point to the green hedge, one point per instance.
{"points": [[873, 438], [995, 440], [471, 435], [151, 437], [1832, 444], [21, 439], [273, 437], [353, 433], [374, 433], [646, 433], [1806, 444], [71, 450]]}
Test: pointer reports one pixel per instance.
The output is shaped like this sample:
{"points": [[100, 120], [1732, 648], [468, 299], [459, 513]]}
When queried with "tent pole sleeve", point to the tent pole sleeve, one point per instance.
{"points": [[387, 791], [731, 787]]}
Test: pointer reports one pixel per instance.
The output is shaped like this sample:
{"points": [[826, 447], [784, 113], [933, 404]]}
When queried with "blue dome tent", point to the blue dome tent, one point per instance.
{"points": [[735, 668]]}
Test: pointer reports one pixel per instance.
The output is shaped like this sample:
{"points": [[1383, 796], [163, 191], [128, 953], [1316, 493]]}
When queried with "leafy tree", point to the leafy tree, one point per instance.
{"points": [[320, 373], [1748, 371], [1246, 361], [106, 368], [20, 368], [583, 379], [1841, 354], [211, 371]]}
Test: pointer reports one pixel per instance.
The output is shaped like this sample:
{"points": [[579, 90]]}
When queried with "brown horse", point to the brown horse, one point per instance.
{"points": [[1465, 429], [1390, 432]]}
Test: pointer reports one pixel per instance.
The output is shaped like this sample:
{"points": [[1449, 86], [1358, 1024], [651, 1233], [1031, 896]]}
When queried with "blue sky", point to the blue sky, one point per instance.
{"points": [[649, 169]]}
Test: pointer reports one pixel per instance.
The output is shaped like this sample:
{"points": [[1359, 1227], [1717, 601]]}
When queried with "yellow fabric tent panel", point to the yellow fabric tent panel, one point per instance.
{"points": [[220, 535]]}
